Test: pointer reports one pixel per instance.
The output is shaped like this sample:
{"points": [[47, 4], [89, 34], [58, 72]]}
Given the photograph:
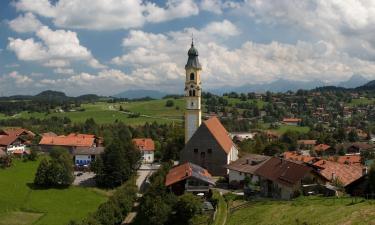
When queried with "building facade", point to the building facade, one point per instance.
{"points": [[193, 92]]}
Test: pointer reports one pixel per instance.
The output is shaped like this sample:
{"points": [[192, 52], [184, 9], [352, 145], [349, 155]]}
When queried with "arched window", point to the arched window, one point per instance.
{"points": [[190, 93], [192, 76], [193, 92]]}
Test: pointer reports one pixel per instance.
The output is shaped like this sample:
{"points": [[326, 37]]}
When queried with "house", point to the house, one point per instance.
{"points": [[355, 148], [190, 178], [292, 121], [210, 147], [70, 142], [332, 171], [241, 136], [296, 156], [283, 179], [324, 149], [346, 159], [83, 156], [147, 148], [245, 167], [272, 136], [12, 143], [306, 144]]}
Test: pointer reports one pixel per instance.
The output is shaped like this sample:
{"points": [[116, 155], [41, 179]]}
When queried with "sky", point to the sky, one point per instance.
{"points": [[109, 46]]}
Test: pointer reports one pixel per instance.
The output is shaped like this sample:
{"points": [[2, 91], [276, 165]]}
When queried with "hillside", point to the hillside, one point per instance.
{"points": [[305, 210], [136, 94]]}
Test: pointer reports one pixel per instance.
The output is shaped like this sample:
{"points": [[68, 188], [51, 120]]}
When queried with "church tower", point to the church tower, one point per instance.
{"points": [[193, 93]]}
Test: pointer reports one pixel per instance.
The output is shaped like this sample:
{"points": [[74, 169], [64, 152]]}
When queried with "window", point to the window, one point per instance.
{"points": [[192, 76], [195, 150], [193, 92], [209, 150], [190, 93], [203, 154], [192, 104]]}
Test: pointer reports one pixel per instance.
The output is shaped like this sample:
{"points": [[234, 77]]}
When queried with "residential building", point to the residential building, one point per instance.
{"points": [[306, 144], [147, 148], [241, 136], [12, 143], [324, 149], [292, 121], [245, 167], [298, 157], [210, 147], [83, 156], [189, 177], [283, 179], [337, 172], [70, 142]]}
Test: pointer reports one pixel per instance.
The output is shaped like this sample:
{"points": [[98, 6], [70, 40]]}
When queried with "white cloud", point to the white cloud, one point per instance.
{"points": [[18, 79], [59, 47], [109, 14], [66, 71], [349, 25], [25, 23], [214, 6]]}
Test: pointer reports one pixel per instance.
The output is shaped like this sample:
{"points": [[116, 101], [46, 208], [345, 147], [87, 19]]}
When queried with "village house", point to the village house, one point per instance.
{"points": [[15, 140], [324, 149], [355, 148], [147, 148], [188, 177], [210, 147], [272, 136], [347, 159], [241, 136], [334, 172], [292, 121], [69, 142], [306, 144], [245, 167], [296, 156], [83, 156], [283, 179]]}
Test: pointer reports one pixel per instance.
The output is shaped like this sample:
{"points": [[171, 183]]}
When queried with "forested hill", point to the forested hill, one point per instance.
{"points": [[370, 86], [50, 95]]}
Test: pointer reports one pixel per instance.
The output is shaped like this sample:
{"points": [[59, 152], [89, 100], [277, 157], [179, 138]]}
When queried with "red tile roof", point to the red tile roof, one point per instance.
{"points": [[294, 156], [345, 173], [220, 133], [347, 159], [144, 144], [187, 170], [292, 120], [18, 131], [321, 147], [75, 140], [6, 140], [283, 171], [248, 163]]}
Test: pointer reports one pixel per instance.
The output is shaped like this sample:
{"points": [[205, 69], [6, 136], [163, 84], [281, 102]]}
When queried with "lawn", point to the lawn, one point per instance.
{"points": [[20, 204], [305, 210], [104, 113], [233, 101], [284, 128]]}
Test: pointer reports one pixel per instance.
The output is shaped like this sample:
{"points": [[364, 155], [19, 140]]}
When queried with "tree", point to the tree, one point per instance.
{"points": [[187, 206], [41, 173], [371, 179], [169, 103], [353, 136], [108, 214], [154, 210]]}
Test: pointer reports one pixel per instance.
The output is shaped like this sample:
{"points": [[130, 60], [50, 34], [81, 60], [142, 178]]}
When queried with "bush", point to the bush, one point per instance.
{"points": [[169, 103]]}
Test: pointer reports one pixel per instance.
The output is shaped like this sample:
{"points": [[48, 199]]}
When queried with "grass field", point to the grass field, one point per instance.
{"points": [[233, 101], [306, 210], [103, 112], [20, 204], [361, 101], [284, 128]]}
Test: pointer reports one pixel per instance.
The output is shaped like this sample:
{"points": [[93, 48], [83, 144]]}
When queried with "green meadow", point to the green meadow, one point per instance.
{"points": [[306, 210], [21, 204]]}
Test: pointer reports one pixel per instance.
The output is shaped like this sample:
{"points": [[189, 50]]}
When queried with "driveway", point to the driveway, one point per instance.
{"points": [[84, 179]]}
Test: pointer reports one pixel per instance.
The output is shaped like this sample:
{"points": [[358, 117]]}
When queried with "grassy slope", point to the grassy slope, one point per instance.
{"points": [[57, 206], [361, 101], [305, 211], [104, 112]]}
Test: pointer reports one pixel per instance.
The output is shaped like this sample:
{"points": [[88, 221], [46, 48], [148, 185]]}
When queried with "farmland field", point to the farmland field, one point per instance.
{"points": [[314, 210], [21, 204], [103, 112]]}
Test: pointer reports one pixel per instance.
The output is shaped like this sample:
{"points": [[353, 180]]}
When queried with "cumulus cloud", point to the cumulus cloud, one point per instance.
{"points": [[349, 25], [25, 23], [108, 15], [58, 48]]}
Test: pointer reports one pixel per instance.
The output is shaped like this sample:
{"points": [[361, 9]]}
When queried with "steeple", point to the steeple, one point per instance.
{"points": [[193, 61]]}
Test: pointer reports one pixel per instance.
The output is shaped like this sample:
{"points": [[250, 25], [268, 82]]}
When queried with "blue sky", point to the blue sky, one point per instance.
{"points": [[108, 46]]}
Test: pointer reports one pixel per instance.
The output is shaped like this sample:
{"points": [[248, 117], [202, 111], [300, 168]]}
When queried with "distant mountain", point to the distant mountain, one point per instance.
{"points": [[370, 86], [134, 94], [280, 85], [354, 81]]}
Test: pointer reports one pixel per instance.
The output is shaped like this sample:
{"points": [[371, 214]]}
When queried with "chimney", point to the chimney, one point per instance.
{"points": [[333, 176], [247, 161]]}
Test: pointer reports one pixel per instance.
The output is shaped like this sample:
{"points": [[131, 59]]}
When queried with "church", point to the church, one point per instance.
{"points": [[207, 144]]}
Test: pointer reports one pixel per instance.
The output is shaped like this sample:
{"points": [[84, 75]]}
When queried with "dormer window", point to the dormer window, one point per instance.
{"points": [[192, 77]]}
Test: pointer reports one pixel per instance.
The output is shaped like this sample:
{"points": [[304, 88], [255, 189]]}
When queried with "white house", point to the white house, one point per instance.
{"points": [[83, 156], [245, 167], [147, 148]]}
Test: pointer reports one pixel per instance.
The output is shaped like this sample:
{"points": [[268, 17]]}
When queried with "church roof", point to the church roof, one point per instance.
{"points": [[193, 61], [220, 133]]}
